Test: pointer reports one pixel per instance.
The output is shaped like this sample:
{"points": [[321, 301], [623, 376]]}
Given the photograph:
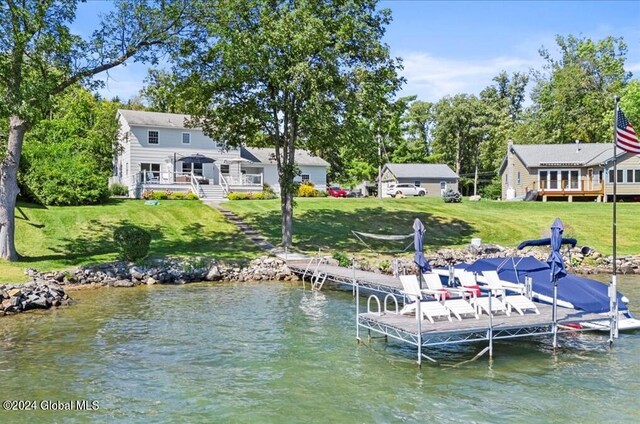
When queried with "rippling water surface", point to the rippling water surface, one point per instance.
{"points": [[271, 352]]}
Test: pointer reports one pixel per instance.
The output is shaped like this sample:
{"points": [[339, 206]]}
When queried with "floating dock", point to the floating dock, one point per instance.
{"points": [[424, 334]]}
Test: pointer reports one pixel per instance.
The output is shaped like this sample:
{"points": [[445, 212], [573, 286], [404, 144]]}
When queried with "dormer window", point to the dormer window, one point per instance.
{"points": [[186, 138], [153, 137]]}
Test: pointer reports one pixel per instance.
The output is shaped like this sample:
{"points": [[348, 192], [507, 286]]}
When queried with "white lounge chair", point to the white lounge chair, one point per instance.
{"points": [[458, 306], [430, 308], [467, 282], [482, 304], [519, 302]]}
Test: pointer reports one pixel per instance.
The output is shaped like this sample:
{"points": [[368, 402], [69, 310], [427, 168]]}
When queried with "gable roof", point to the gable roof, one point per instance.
{"points": [[569, 154], [267, 155], [154, 119], [421, 170]]}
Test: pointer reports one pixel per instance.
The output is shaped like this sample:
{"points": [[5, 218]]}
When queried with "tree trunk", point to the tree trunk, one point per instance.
{"points": [[286, 205], [9, 188]]}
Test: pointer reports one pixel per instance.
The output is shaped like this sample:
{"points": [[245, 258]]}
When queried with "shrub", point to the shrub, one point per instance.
{"points": [[385, 265], [492, 190], [266, 188], [342, 258], [307, 189], [161, 195], [261, 195], [266, 195], [118, 189], [178, 195], [132, 242], [147, 194], [451, 196], [191, 196], [239, 196]]}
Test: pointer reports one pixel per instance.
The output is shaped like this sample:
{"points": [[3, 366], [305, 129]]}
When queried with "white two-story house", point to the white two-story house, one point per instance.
{"points": [[156, 151]]}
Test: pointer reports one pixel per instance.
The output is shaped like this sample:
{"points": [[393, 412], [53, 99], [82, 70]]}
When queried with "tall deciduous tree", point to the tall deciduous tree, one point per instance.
{"points": [[573, 96], [67, 157], [459, 131], [40, 58], [300, 73]]}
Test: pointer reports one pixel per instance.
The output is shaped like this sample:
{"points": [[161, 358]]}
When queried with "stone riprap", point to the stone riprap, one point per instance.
{"points": [[16, 298], [579, 260], [166, 271]]}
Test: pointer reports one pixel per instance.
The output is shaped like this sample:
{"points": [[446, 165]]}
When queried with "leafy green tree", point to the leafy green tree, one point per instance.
{"points": [[630, 103], [573, 96], [419, 123], [504, 112], [40, 58], [67, 156], [459, 131], [299, 74], [163, 92]]}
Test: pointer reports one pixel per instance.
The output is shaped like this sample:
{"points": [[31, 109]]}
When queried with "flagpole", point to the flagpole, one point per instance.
{"points": [[613, 302]]}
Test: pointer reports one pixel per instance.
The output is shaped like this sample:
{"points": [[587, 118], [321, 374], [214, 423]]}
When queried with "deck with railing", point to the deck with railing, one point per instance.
{"points": [[567, 188]]}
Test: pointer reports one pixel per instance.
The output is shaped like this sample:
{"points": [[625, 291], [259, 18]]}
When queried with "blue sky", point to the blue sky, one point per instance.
{"points": [[451, 47]]}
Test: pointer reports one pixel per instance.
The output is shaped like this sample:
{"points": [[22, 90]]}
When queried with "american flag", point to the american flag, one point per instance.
{"points": [[626, 137]]}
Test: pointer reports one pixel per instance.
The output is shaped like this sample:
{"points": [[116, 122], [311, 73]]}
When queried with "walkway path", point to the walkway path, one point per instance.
{"points": [[253, 235]]}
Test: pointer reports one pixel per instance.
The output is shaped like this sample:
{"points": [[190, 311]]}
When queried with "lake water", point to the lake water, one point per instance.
{"points": [[273, 353]]}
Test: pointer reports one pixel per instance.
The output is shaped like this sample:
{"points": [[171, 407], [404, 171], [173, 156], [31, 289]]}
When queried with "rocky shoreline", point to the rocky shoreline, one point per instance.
{"points": [[15, 298], [47, 289]]}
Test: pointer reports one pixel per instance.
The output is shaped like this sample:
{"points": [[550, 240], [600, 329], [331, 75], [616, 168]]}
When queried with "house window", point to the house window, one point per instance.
{"points": [[629, 175], [186, 138], [305, 178], [543, 180], [637, 175], [153, 137], [574, 180], [150, 171], [416, 183], [196, 168], [443, 185], [610, 175], [553, 180], [620, 175], [224, 169], [518, 178]]}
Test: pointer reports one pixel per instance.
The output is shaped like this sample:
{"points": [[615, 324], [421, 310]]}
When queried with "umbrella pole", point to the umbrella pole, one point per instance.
{"points": [[355, 284], [555, 314]]}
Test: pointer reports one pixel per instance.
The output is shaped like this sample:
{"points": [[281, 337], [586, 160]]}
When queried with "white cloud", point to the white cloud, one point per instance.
{"points": [[432, 78], [632, 67]]}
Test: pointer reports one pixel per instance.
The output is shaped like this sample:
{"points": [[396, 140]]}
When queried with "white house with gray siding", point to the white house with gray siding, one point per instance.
{"points": [[156, 151], [434, 177]]}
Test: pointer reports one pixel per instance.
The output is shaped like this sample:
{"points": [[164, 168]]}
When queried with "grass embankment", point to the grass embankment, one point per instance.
{"points": [[327, 223], [61, 237]]}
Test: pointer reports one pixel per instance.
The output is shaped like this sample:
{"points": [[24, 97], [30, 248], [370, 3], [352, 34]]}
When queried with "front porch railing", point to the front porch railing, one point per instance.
{"points": [[246, 180]]}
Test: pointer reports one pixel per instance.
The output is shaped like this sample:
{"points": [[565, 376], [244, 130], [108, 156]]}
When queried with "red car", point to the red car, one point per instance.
{"points": [[336, 191]]}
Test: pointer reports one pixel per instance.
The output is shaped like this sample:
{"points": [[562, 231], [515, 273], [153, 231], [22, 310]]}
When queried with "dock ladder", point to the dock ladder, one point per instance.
{"points": [[317, 276]]}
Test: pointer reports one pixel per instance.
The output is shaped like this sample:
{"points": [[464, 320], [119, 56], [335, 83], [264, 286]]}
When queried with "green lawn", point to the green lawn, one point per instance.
{"points": [[61, 237], [326, 223]]}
